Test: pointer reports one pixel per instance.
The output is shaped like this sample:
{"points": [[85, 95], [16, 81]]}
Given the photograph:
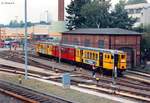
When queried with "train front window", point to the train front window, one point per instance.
{"points": [[96, 56], [112, 57]]}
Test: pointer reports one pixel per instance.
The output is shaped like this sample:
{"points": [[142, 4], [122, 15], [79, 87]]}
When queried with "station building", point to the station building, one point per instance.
{"points": [[108, 38]]}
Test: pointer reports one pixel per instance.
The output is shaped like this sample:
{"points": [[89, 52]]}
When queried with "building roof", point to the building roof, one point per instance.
{"points": [[103, 31], [136, 6]]}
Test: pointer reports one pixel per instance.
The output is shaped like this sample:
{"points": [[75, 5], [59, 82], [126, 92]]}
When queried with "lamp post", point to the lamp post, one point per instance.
{"points": [[26, 59], [47, 15]]}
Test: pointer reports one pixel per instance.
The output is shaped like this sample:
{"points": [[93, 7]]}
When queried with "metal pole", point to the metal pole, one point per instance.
{"points": [[47, 16], [26, 65], [0, 33], [113, 72]]}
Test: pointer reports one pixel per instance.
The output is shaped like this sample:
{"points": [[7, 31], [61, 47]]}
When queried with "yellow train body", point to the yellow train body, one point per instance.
{"points": [[102, 59], [108, 61]]}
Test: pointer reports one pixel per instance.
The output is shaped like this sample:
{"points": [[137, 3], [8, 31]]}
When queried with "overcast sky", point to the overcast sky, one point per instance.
{"points": [[36, 10]]}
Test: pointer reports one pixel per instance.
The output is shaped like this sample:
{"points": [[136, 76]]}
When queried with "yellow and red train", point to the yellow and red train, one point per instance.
{"points": [[105, 59]]}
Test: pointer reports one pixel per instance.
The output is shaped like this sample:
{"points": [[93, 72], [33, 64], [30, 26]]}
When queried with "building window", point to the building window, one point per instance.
{"points": [[138, 10], [65, 40], [87, 43], [76, 42], [101, 43], [131, 11]]}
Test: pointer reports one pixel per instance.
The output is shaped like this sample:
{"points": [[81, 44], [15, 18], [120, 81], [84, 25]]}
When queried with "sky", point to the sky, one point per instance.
{"points": [[36, 10]]}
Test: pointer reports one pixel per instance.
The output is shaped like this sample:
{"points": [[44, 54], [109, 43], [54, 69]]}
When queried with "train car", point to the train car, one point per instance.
{"points": [[68, 52], [101, 58]]}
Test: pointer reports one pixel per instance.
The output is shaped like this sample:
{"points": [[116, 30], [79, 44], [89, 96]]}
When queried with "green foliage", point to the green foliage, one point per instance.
{"points": [[140, 28], [8, 39], [136, 1], [21, 23], [96, 14], [14, 24], [120, 17], [75, 20], [147, 28], [145, 43]]}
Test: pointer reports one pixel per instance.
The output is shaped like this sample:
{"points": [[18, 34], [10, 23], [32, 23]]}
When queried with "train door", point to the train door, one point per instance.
{"points": [[101, 60], [116, 59], [81, 55]]}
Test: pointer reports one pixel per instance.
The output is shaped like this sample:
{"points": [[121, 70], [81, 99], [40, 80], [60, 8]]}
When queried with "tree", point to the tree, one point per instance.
{"points": [[21, 24], [96, 14], [14, 24], [119, 17], [74, 19], [11, 23], [136, 1]]}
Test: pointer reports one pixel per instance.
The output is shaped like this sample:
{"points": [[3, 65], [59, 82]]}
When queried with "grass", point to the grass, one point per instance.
{"points": [[69, 94]]}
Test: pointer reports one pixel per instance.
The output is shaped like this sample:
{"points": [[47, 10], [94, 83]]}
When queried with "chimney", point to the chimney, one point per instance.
{"points": [[60, 10]]}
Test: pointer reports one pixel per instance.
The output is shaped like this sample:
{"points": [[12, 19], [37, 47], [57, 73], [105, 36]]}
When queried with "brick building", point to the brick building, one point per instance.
{"points": [[108, 38]]}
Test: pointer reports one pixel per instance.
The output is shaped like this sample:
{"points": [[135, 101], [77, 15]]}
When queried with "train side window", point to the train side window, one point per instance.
{"points": [[105, 56], [122, 56], [108, 56], [91, 56], [94, 56], [88, 55], [84, 53], [77, 53]]}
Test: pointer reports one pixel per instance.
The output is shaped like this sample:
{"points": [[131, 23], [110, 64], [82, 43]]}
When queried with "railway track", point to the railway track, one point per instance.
{"points": [[138, 73], [29, 95], [124, 87], [105, 86]]}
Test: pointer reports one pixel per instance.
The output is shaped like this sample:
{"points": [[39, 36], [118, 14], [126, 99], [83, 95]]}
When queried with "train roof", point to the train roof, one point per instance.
{"points": [[100, 49], [87, 48]]}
